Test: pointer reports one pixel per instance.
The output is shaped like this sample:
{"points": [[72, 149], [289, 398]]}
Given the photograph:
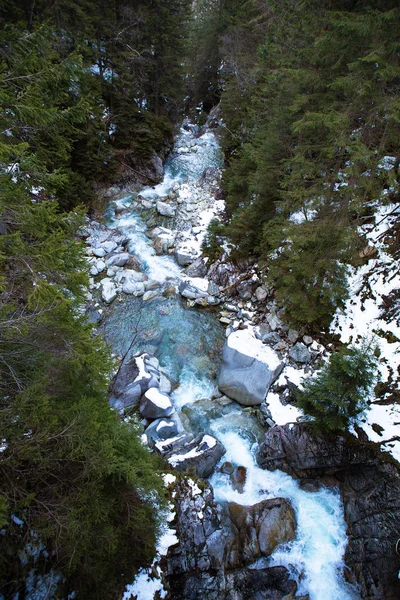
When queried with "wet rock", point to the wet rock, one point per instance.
{"points": [[201, 455], [154, 404], [239, 478], [118, 259], [270, 583], [258, 530], [227, 468], [300, 353], [369, 486], [248, 368], [166, 210]]}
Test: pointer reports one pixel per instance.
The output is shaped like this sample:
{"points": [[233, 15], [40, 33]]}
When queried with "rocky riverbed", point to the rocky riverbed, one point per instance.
{"points": [[208, 365]]}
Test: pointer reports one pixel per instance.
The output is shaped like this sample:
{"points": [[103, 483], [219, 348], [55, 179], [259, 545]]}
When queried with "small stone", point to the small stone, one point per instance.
{"points": [[261, 294], [293, 336], [307, 340]]}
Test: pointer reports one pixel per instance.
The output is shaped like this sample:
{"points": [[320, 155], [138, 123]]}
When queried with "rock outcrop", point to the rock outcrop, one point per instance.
{"points": [[197, 566], [369, 485]]}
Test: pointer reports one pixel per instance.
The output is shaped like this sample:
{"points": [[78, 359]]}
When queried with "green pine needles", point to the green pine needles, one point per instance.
{"points": [[339, 393]]}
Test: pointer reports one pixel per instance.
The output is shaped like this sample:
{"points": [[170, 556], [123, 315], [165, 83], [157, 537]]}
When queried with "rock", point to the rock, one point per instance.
{"points": [[109, 290], [261, 331], [132, 380], [198, 268], [213, 289], [201, 455], [154, 404], [117, 260], [369, 486], [195, 565], [164, 428], [274, 322], [193, 288], [258, 530], [261, 294], [163, 239], [227, 468], [131, 282], [99, 252], [164, 209], [186, 253], [248, 368], [272, 338], [307, 340], [239, 478], [245, 289], [97, 267], [109, 246], [150, 295], [293, 336], [300, 353], [270, 583]]}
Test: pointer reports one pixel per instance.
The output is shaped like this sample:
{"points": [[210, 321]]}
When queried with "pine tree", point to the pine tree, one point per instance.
{"points": [[339, 393]]}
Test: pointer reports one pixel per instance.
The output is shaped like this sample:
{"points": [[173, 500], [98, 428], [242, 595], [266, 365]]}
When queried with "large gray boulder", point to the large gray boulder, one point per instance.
{"points": [[248, 368], [118, 259], [166, 210], [201, 455]]}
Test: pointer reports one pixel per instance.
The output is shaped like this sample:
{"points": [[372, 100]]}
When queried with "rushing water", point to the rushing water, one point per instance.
{"points": [[188, 344]]}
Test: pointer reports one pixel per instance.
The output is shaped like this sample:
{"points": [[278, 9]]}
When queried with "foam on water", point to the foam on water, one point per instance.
{"points": [[192, 387], [315, 557]]}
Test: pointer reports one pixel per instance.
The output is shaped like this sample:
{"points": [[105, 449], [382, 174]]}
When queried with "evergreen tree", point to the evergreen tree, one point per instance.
{"points": [[339, 393]]}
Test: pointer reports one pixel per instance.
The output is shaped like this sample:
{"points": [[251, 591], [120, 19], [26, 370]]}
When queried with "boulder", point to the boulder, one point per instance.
{"points": [[99, 252], [154, 404], [193, 288], [118, 259], [369, 485], [164, 209], [269, 583], [132, 282], [109, 290], [300, 353], [201, 455], [186, 253], [97, 267], [198, 268], [258, 530], [164, 429], [248, 368], [134, 377]]}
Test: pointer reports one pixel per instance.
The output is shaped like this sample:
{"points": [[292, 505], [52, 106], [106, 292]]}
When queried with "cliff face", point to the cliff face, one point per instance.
{"points": [[369, 487]]}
